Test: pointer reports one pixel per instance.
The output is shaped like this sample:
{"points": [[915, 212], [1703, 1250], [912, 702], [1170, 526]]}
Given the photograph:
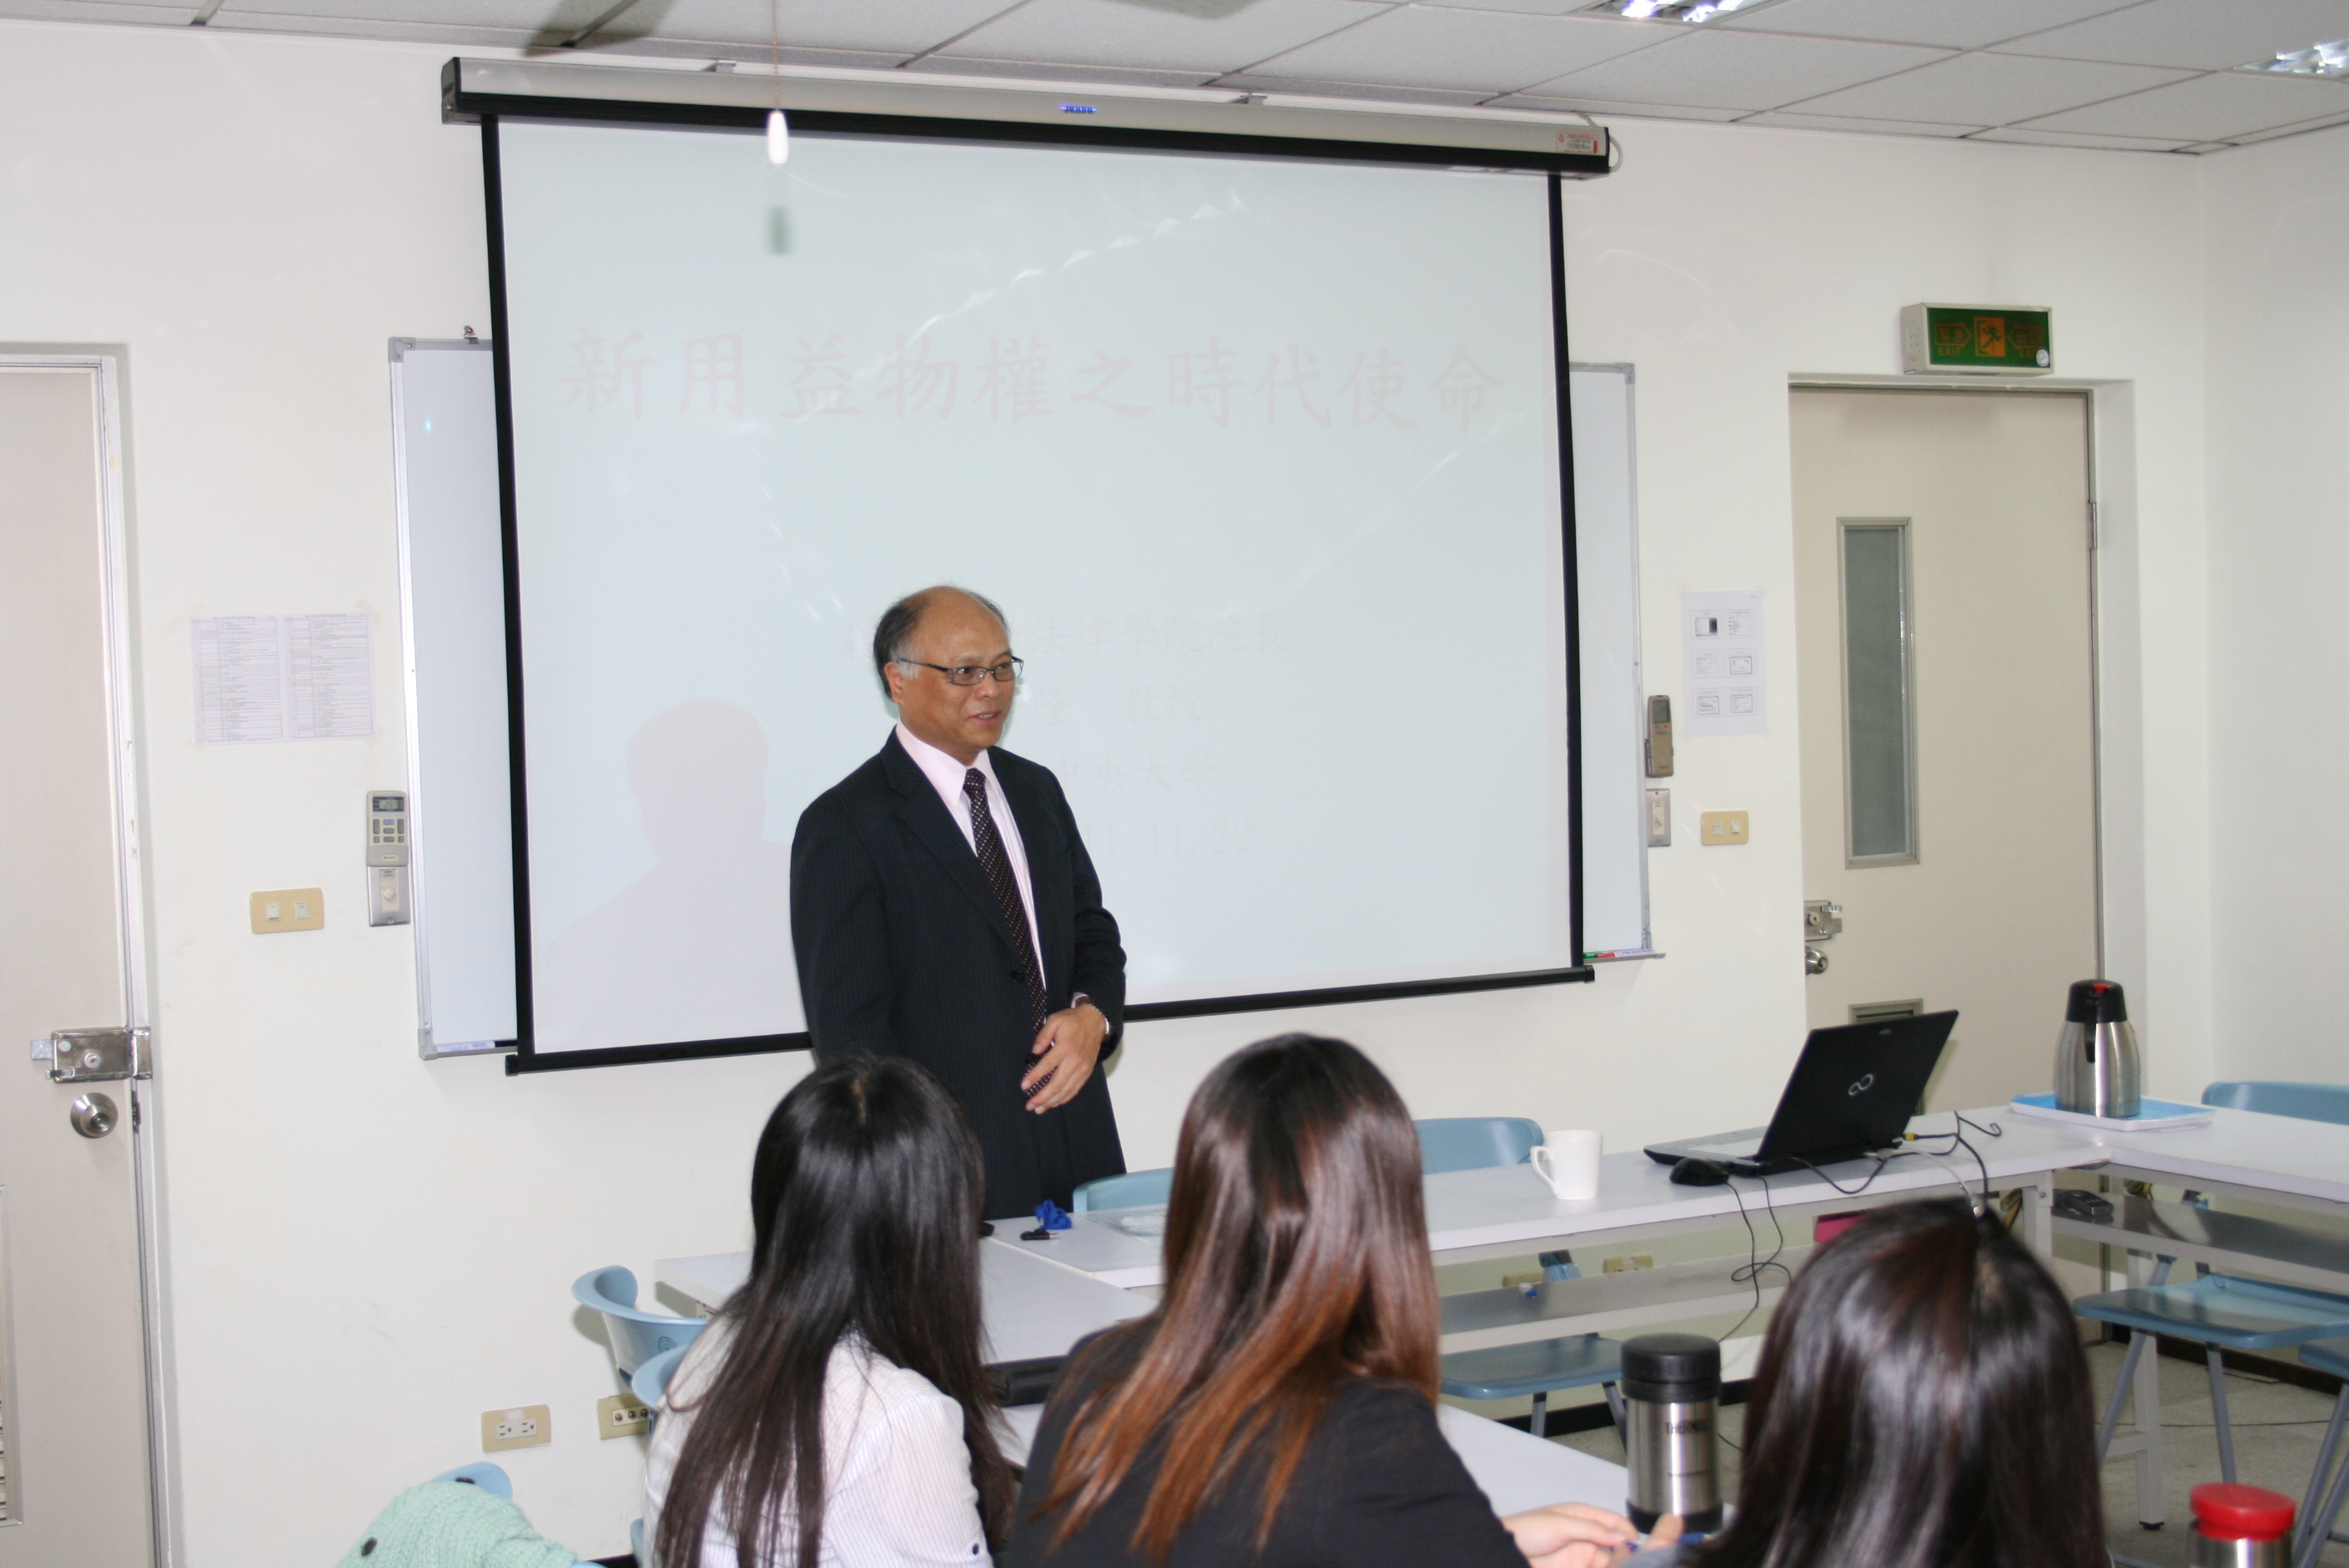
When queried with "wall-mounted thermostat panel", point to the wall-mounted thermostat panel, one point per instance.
{"points": [[386, 856]]}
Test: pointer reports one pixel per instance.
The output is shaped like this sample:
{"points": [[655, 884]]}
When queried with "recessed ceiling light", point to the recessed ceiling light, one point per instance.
{"points": [[1674, 10], [2317, 61]]}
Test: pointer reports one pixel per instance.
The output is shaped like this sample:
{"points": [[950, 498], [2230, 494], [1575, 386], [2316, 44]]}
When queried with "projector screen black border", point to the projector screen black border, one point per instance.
{"points": [[490, 110]]}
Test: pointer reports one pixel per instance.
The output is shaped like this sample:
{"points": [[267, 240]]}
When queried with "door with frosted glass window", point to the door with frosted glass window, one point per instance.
{"points": [[1943, 627]]}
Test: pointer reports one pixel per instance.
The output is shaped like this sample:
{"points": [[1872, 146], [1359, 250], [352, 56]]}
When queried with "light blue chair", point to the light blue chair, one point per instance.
{"points": [[2316, 1523], [2221, 1312], [1475, 1142], [2309, 1101], [637, 1336], [1133, 1189], [651, 1380], [1545, 1367]]}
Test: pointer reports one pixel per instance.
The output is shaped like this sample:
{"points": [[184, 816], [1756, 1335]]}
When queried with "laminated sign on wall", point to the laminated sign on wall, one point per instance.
{"points": [[1723, 668], [283, 677]]}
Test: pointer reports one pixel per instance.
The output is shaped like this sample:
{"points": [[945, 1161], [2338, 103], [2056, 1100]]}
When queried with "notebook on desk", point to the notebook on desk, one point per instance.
{"points": [[1851, 1093]]}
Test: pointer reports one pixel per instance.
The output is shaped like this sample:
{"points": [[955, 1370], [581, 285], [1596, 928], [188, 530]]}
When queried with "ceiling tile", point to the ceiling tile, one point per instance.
{"points": [[1212, 36], [96, 11], [898, 26], [1874, 127], [1968, 25], [1550, 9], [2298, 128], [1048, 71], [1990, 89], [1706, 69], [1614, 110], [514, 15], [2075, 139], [1374, 92], [2205, 35], [2207, 109], [1428, 47]]}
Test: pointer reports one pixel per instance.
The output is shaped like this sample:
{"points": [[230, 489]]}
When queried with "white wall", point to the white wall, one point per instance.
{"points": [[2278, 253], [366, 1251]]}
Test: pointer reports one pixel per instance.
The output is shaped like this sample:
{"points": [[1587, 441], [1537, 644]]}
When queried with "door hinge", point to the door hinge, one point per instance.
{"points": [[99, 1056]]}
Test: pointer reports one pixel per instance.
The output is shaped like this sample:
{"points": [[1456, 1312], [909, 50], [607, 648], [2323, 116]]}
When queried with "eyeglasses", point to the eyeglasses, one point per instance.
{"points": [[971, 675]]}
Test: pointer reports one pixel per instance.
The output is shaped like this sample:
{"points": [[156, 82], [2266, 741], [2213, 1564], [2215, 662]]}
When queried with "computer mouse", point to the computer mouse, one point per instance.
{"points": [[1699, 1174]]}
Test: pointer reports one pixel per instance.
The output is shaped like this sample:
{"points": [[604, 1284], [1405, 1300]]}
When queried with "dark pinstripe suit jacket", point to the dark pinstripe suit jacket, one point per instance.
{"points": [[903, 951]]}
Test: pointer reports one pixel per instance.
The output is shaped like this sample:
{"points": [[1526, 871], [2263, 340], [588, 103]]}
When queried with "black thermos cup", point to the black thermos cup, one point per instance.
{"points": [[1672, 1389]]}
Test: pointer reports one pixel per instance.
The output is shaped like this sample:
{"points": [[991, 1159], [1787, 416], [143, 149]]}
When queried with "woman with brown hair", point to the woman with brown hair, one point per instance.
{"points": [[1279, 1408]]}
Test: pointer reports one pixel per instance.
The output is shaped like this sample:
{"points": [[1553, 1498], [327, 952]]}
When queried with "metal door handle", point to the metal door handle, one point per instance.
{"points": [[94, 1115]]}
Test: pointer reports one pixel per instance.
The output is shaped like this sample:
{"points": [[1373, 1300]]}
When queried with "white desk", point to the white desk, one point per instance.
{"points": [[1036, 1307], [1508, 1212]]}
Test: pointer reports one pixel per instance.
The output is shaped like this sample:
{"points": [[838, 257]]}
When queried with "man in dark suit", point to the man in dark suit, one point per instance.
{"points": [[944, 908]]}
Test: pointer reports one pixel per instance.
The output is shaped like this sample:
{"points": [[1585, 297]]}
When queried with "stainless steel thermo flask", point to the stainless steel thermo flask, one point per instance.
{"points": [[1671, 1387], [2096, 1055]]}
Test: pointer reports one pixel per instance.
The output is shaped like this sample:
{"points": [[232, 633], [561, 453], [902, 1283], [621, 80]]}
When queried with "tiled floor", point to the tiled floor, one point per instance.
{"points": [[2277, 1429]]}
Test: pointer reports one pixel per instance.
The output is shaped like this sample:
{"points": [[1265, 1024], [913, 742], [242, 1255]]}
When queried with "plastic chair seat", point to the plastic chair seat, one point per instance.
{"points": [[2274, 1097], [1546, 1366], [1133, 1189], [635, 1335], [2223, 1310], [1474, 1142], [651, 1380]]}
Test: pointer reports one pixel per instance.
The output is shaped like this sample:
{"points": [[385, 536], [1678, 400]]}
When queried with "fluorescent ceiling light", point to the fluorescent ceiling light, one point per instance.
{"points": [[1672, 10], [2317, 61]]}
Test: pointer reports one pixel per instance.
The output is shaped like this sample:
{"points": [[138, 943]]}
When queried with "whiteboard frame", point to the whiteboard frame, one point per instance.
{"points": [[421, 842], [1594, 759]]}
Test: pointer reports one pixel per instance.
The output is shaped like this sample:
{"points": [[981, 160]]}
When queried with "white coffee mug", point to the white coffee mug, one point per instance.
{"points": [[1569, 1162]]}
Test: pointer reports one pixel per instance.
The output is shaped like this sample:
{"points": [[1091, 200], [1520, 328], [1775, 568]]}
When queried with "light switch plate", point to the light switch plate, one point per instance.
{"points": [[1725, 826], [288, 909], [1659, 818]]}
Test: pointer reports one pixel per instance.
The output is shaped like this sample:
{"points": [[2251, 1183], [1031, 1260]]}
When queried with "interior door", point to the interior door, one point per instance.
{"points": [[1944, 624], [73, 1386]]}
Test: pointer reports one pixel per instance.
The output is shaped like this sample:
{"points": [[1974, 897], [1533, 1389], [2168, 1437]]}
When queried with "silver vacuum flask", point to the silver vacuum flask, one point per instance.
{"points": [[1672, 1388], [2096, 1071]]}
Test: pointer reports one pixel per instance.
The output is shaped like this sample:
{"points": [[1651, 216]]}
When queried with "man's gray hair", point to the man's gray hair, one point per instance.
{"points": [[892, 635]]}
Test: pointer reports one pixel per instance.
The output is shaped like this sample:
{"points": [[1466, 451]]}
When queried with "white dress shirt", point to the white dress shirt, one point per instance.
{"points": [[946, 776], [898, 1486]]}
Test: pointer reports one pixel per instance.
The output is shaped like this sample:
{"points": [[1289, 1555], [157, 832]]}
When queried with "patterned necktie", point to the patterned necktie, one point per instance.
{"points": [[997, 867]]}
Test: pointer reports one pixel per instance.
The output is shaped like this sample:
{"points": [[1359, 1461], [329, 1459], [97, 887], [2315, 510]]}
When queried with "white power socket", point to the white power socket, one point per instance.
{"points": [[524, 1427]]}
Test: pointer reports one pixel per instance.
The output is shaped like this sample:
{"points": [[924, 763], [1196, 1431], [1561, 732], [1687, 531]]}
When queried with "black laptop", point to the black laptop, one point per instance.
{"points": [[1851, 1093]]}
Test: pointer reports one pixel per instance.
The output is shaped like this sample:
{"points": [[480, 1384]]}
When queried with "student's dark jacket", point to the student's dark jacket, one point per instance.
{"points": [[1378, 1488]]}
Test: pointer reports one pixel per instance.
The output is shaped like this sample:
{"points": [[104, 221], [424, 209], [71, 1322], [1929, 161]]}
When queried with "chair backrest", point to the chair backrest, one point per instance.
{"points": [[1134, 1190], [2309, 1101], [1475, 1142], [637, 1336], [652, 1378]]}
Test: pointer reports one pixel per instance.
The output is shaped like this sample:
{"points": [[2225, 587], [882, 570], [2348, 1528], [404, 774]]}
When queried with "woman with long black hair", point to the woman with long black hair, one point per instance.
{"points": [[835, 1413], [1921, 1402], [1278, 1410]]}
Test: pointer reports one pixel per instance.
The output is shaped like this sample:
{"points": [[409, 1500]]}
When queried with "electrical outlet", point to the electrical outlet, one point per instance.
{"points": [[1524, 1279], [288, 909], [622, 1415], [519, 1428], [1626, 1264], [1725, 826]]}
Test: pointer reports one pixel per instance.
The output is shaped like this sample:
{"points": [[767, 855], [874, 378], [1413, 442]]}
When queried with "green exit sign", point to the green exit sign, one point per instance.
{"points": [[1976, 339]]}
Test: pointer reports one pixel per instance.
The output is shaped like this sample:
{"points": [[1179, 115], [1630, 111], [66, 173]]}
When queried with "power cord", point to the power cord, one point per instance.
{"points": [[1756, 1263]]}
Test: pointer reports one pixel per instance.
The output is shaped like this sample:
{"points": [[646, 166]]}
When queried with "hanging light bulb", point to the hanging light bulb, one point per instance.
{"points": [[778, 137]]}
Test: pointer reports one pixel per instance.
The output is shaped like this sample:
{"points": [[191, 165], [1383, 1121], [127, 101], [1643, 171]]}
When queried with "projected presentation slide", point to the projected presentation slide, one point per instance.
{"points": [[1260, 458]]}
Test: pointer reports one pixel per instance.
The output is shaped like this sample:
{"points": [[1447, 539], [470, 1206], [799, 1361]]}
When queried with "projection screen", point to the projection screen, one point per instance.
{"points": [[1261, 457]]}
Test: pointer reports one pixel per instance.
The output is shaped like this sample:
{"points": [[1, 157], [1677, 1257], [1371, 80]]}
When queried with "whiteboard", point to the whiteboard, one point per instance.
{"points": [[1614, 859], [453, 628], [453, 648]]}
